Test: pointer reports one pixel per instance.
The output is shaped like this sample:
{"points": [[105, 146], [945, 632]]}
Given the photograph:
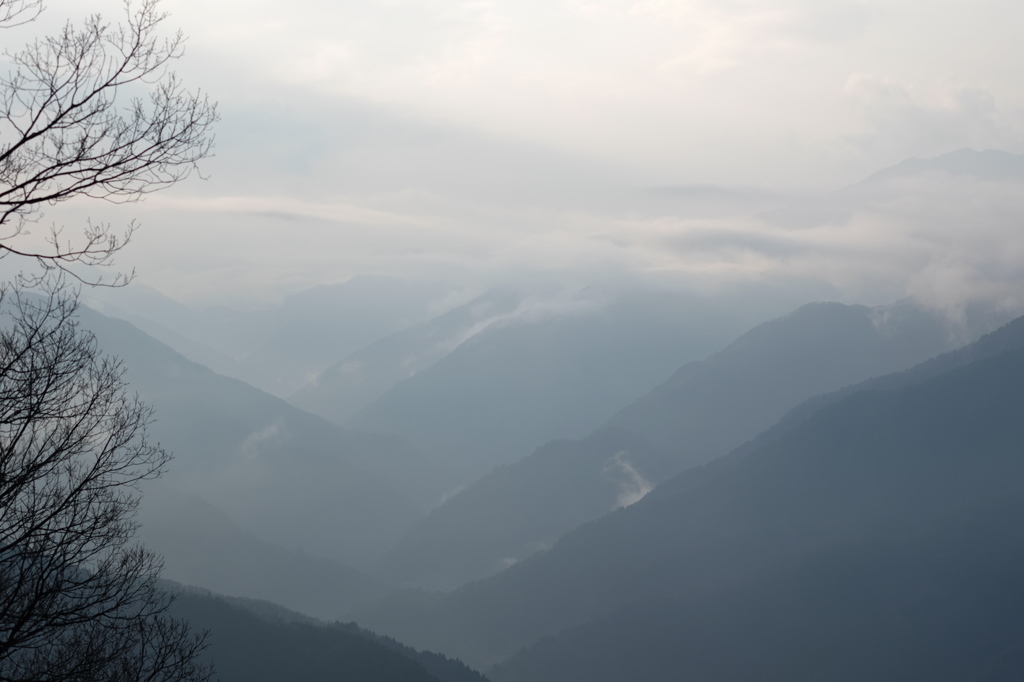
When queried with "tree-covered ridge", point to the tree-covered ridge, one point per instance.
{"points": [[252, 641]]}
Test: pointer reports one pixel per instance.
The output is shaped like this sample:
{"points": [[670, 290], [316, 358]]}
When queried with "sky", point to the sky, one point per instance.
{"points": [[490, 140]]}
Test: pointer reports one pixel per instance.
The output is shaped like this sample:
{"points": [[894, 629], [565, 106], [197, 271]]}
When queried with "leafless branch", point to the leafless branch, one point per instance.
{"points": [[94, 111], [17, 12], [78, 599]]}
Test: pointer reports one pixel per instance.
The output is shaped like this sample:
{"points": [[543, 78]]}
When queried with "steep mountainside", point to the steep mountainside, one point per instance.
{"points": [[259, 642], [519, 509], [875, 469], [942, 607], [703, 411], [320, 326], [279, 348], [554, 372], [707, 408], [201, 546], [1007, 338], [282, 474], [346, 387]]}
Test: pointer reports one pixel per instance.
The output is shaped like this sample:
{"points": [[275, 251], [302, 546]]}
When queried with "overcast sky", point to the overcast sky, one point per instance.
{"points": [[504, 138], [804, 92]]}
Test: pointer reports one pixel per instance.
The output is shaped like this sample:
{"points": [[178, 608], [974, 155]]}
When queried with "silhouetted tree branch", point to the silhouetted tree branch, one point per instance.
{"points": [[92, 111], [17, 12], [78, 599], [74, 123]]}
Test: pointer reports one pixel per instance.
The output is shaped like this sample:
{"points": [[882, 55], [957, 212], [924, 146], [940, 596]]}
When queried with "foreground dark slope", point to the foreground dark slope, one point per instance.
{"points": [[259, 642], [256, 457], [947, 606], [703, 411], [201, 546], [878, 467]]}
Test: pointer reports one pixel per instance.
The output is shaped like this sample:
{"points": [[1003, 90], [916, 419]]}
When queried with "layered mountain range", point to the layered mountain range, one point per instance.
{"points": [[279, 473], [555, 369], [863, 539], [615, 482], [704, 410]]}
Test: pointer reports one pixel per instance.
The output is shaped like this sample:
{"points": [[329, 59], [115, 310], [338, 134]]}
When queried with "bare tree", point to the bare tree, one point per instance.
{"points": [[78, 600], [69, 127], [93, 112], [17, 12]]}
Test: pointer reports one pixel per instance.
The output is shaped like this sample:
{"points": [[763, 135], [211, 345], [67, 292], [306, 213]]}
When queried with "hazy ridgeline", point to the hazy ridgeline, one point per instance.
{"points": [[511, 342], [703, 411], [260, 641], [892, 478], [618, 481]]}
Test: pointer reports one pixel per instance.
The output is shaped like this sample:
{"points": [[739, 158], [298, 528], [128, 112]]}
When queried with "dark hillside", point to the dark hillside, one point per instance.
{"points": [[946, 606], [876, 467], [258, 640], [703, 411], [244, 647], [707, 408], [201, 546], [254, 455], [554, 372], [1008, 337], [520, 509]]}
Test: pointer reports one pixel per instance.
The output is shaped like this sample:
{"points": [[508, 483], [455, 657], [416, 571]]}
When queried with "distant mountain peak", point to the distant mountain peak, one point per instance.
{"points": [[987, 164]]}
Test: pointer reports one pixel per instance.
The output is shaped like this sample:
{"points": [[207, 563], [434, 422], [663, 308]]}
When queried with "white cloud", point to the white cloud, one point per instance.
{"points": [[904, 119], [748, 90], [251, 448], [634, 486], [494, 140]]}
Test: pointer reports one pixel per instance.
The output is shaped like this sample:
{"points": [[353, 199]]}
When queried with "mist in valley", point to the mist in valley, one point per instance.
{"points": [[533, 342]]}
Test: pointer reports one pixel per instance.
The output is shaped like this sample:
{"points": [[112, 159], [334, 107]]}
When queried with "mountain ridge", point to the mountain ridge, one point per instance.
{"points": [[730, 524], [705, 409]]}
